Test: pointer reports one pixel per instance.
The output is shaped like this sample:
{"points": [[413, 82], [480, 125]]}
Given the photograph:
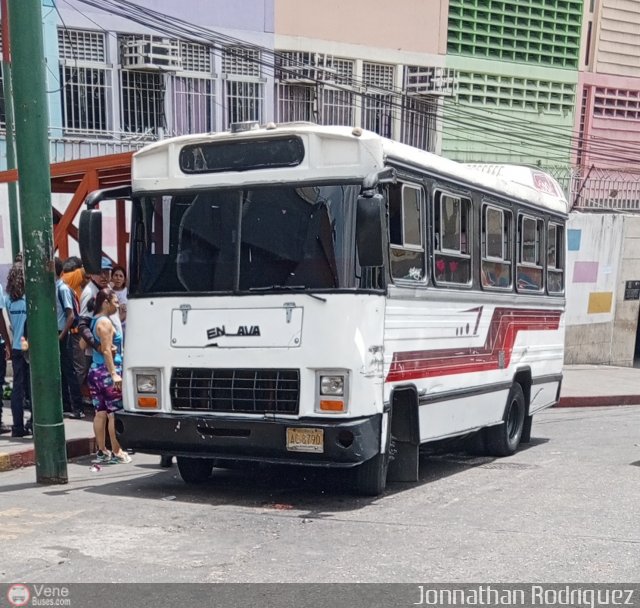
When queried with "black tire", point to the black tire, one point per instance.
{"points": [[194, 470], [504, 439], [371, 476], [166, 460]]}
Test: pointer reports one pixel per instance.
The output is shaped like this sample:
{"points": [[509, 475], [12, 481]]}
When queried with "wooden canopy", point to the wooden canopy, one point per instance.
{"points": [[80, 177]]}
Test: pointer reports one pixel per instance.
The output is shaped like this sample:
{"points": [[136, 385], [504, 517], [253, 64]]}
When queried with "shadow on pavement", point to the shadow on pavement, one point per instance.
{"points": [[317, 493]]}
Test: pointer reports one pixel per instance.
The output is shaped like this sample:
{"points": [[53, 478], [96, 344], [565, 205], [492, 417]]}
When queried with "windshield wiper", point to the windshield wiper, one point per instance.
{"points": [[288, 288]]}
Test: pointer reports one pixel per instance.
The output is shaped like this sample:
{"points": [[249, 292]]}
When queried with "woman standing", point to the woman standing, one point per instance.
{"points": [[119, 285], [105, 377], [16, 305]]}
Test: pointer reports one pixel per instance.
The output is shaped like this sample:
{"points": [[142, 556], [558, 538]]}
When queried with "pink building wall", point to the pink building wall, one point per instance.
{"points": [[607, 131], [404, 25]]}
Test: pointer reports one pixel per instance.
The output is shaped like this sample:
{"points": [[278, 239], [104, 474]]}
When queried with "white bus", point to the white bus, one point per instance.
{"points": [[324, 296]]}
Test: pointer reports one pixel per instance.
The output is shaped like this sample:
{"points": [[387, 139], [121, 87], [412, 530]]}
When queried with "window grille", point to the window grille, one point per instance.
{"points": [[296, 102], [529, 94], [85, 82], [142, 102], [305, 92], [622, 104], [238, 61], [535, 31], [338, 107], [195, 57], [244, 101], [419, 121], [80, 45], [296, 66], [193, 103], [428, 80], [377, 103], [85, 94], [244, 91]]}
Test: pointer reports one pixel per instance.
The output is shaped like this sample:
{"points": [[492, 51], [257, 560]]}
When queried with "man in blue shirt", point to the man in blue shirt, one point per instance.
{"points": [[16, 305], [67, 312], [5, 353]]}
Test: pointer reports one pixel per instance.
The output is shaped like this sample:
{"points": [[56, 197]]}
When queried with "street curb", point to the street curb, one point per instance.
{"points": [[609, 400], [27, 457]]}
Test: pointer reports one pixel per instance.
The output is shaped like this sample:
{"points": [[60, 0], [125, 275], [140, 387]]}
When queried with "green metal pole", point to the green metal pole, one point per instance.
{"points": [[32, 143], [14, 219]]}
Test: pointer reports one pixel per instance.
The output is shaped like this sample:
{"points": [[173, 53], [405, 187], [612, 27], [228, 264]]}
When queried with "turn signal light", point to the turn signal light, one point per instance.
{"points": [[331, 405], [149, 402]]}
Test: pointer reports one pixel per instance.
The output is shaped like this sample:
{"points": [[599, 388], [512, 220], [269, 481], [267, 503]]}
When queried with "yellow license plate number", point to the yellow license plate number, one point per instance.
{"points": [[305, 440]]}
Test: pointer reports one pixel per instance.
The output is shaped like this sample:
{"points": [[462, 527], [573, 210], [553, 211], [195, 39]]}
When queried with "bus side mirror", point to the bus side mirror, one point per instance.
{"points": [[90, 240], [369, 226]]}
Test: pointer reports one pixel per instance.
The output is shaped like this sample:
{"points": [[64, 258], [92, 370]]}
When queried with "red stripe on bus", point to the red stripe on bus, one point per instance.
{"points": [[505, 325]]}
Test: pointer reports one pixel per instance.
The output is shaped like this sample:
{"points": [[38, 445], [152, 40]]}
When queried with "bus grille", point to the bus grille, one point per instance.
{"points": [[254, 391]]}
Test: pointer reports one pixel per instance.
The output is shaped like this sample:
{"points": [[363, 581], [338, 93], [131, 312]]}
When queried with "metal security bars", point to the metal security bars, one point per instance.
{"points": [[244, 88], [193, 103], [143, 102], [85, 82]]}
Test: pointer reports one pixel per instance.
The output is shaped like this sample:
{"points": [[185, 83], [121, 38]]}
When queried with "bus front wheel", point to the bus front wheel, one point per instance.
{"points": [[371, 476], [194, 470], [503, 439]]}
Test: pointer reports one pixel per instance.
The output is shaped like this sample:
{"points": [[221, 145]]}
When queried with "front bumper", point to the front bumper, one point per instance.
{"points": [[245, 439]]}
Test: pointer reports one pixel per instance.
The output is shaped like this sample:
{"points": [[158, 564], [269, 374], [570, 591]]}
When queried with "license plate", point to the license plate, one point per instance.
{"points": [[305, 440]]}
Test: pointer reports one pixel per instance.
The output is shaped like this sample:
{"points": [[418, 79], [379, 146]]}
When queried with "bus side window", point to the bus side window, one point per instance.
{"points": [[496, 248], [529, 268], [406, 233], [555, 258], [451, 239]]}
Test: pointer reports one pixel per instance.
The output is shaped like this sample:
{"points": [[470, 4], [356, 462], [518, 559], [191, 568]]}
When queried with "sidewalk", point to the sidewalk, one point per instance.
{"points": [[597, 385], [582, 386], [18, 452]]}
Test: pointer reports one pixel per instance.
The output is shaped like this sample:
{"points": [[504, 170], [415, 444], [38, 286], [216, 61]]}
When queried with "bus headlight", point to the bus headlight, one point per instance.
{"points": [[332, 385], [332, 391], [147, 383]]}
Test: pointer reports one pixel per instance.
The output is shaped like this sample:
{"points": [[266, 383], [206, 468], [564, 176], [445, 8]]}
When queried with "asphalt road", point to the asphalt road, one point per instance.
{"points": [[565, 509]]}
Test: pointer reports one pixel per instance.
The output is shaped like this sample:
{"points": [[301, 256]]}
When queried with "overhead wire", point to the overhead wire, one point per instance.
{"points": [[494, 129]]}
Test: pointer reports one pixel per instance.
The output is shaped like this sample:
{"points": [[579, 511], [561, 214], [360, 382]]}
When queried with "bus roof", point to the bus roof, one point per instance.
{"points": [[340, 152]]}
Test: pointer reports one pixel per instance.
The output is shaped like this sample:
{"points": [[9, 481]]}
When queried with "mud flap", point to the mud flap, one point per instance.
{"points": [[404, 453]]}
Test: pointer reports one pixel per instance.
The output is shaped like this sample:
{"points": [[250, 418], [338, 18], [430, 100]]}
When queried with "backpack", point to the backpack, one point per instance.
{"points": [[85, 329]]}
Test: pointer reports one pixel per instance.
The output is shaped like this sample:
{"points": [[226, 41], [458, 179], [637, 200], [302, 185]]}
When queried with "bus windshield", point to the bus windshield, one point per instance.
{"points": [[244, 240]]}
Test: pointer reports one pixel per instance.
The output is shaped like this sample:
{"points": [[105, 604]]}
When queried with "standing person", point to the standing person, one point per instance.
{"points": [[67, 314], [74, 276], [16, 305], [119, 285], [96, 283], [5, 355], [105, 376]]}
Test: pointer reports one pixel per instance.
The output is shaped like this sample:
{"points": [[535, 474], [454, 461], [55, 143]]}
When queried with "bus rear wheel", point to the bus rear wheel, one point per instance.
{"points": [[504, 439], [194, 470]]}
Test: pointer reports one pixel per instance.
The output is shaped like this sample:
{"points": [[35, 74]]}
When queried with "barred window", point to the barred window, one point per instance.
{"points": [[85, 82], [377, 103], [143, 102], [193, 103], [244, 89]]}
